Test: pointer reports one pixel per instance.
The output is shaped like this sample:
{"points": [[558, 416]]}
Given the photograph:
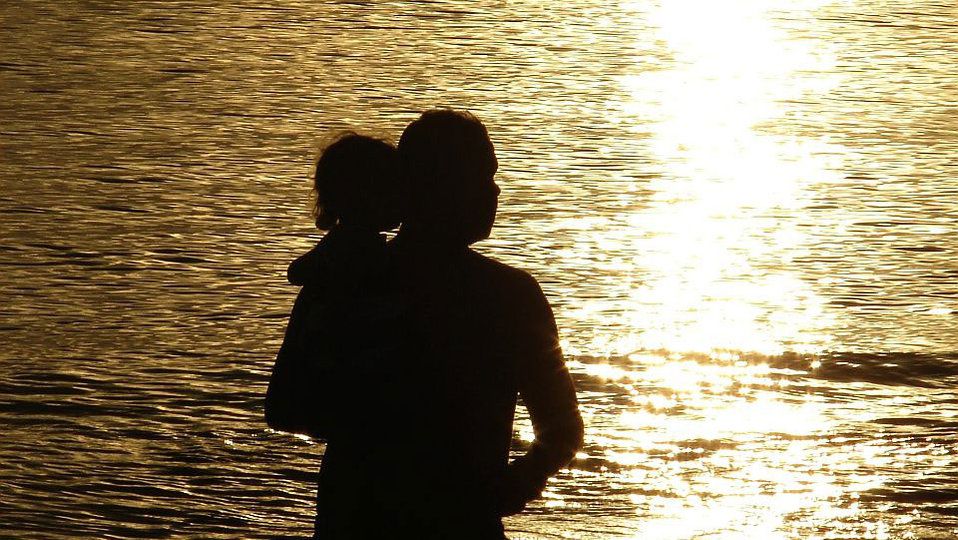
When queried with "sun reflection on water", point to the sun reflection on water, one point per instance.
{"points": [[713, 446], [714, 442], [716, 247]]}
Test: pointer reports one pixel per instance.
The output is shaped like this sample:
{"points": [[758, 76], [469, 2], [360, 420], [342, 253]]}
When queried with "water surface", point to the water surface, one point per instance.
{"points": [[744, 215]]}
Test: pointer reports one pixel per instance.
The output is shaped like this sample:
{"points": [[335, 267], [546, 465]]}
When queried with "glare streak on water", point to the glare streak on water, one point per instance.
{"points": [[744, 214]]}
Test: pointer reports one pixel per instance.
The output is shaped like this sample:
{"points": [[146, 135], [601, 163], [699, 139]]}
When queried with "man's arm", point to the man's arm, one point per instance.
{"points": [[547, 390]]}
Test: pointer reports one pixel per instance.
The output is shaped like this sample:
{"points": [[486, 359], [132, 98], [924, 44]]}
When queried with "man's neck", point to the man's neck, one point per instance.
{"points": [[427, 239]]}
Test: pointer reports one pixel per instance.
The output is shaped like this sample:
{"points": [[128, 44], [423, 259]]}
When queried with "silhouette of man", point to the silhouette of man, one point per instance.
{"points": [[481, 334], [409, 360]]}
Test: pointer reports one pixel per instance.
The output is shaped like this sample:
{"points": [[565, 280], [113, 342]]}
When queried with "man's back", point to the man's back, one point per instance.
{"points": [[484, 333]]}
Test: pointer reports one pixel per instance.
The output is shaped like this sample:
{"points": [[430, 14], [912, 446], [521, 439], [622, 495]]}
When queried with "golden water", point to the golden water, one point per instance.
{"points": [[744, 215]]}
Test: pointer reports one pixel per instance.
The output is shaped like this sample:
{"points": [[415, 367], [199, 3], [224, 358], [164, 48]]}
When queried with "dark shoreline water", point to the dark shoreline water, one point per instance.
{"points": [[743, 214]]}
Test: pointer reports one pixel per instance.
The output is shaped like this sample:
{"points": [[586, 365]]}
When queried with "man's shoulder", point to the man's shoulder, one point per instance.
{"points": [[514, 290], [499, 272]]}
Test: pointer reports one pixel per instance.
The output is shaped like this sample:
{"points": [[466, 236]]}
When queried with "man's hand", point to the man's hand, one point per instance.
{"points": [[515, 489]]}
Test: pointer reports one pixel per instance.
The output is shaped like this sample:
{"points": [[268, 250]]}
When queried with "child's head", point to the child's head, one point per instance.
{"points": [[356, 184]]}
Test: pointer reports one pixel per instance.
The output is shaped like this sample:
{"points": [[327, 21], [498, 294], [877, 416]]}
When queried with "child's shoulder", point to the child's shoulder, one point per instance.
{"points": [[341, 252]]}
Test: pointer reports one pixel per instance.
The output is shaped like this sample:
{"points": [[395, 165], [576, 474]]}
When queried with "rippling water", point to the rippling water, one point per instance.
{"points": [[744, 214]]}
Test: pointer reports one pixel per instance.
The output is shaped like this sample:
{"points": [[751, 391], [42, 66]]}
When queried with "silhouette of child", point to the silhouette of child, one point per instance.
{"points": [[356, 198], [338, 334]]}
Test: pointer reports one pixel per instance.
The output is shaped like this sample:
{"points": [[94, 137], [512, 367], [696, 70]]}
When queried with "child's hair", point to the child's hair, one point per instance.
{"points": [[356, 183]]}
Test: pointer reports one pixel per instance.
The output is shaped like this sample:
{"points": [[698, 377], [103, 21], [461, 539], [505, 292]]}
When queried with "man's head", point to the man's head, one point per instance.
{"points": [[448, 165]]}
